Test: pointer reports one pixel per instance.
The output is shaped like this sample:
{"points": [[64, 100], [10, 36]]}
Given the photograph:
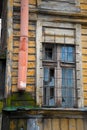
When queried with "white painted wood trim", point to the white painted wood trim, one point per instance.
{"points": [[38, 58], [79, 66]]}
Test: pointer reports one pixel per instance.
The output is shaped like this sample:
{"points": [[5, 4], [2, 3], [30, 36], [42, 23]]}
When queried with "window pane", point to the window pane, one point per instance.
{"points": [[46, 74], [70, 54], [67, 54], [49, 86], [68, 87]]}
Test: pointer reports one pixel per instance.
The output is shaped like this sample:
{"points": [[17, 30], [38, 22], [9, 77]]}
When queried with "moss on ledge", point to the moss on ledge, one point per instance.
{"points": [[1, 105], [20, 99]]}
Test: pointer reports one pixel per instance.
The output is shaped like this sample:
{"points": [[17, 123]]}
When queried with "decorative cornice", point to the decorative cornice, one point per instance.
{"points": [[77, 17]]}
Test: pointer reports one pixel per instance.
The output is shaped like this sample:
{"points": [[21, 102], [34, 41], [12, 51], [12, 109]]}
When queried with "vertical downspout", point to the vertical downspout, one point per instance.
{"points": [[23, 47]]}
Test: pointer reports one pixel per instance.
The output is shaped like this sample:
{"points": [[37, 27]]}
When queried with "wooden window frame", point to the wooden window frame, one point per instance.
{"points": [[58, 65], [66, 65], [39, 70], [47, 89]]}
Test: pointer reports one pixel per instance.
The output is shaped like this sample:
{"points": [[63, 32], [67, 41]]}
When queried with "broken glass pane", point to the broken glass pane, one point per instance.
{"points": [[51, 92], [51, 82], [48, 86], [51, 102], [67, 87], [46, 74]]}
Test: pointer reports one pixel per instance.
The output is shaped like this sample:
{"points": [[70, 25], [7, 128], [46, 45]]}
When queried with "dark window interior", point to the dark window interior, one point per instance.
{"points": [[1, 3], [2, 77], [48, 53], [2, 58]]}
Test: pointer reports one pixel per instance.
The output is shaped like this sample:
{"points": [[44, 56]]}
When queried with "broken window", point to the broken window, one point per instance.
{"points": [[59, 75], [68, 87], [48, 83], [68, 75], [49, 52]]}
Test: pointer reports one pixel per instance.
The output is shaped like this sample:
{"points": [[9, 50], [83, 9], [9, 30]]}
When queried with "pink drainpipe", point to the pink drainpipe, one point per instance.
{"points": [[23, 47]]}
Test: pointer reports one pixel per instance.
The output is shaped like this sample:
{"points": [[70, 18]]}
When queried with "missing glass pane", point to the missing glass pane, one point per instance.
{"points": [[48, 53], [48, 86]]}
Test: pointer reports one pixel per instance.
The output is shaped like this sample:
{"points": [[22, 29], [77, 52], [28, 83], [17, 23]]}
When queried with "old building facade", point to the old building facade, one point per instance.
{"points": [[55, 93]]}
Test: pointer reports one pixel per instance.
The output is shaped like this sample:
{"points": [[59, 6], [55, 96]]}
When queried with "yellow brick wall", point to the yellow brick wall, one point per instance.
{"points": [[83, 4], [31, 49], [84, 61], [31, 2]]}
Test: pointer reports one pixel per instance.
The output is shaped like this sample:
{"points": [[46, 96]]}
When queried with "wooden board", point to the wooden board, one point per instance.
{"points": [[55, 124], [64, 124], [72, 124]]}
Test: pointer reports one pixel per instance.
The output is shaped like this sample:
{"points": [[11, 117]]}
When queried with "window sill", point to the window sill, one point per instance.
{"points": [[49, 63], [48, 112], [13, 108]]}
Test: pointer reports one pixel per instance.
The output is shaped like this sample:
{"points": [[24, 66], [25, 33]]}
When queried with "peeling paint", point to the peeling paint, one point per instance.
{"points": [[23, 84]]}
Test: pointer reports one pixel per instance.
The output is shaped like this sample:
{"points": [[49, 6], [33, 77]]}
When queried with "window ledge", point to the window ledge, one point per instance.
{"points": [[13, 108], [48, 112]]}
